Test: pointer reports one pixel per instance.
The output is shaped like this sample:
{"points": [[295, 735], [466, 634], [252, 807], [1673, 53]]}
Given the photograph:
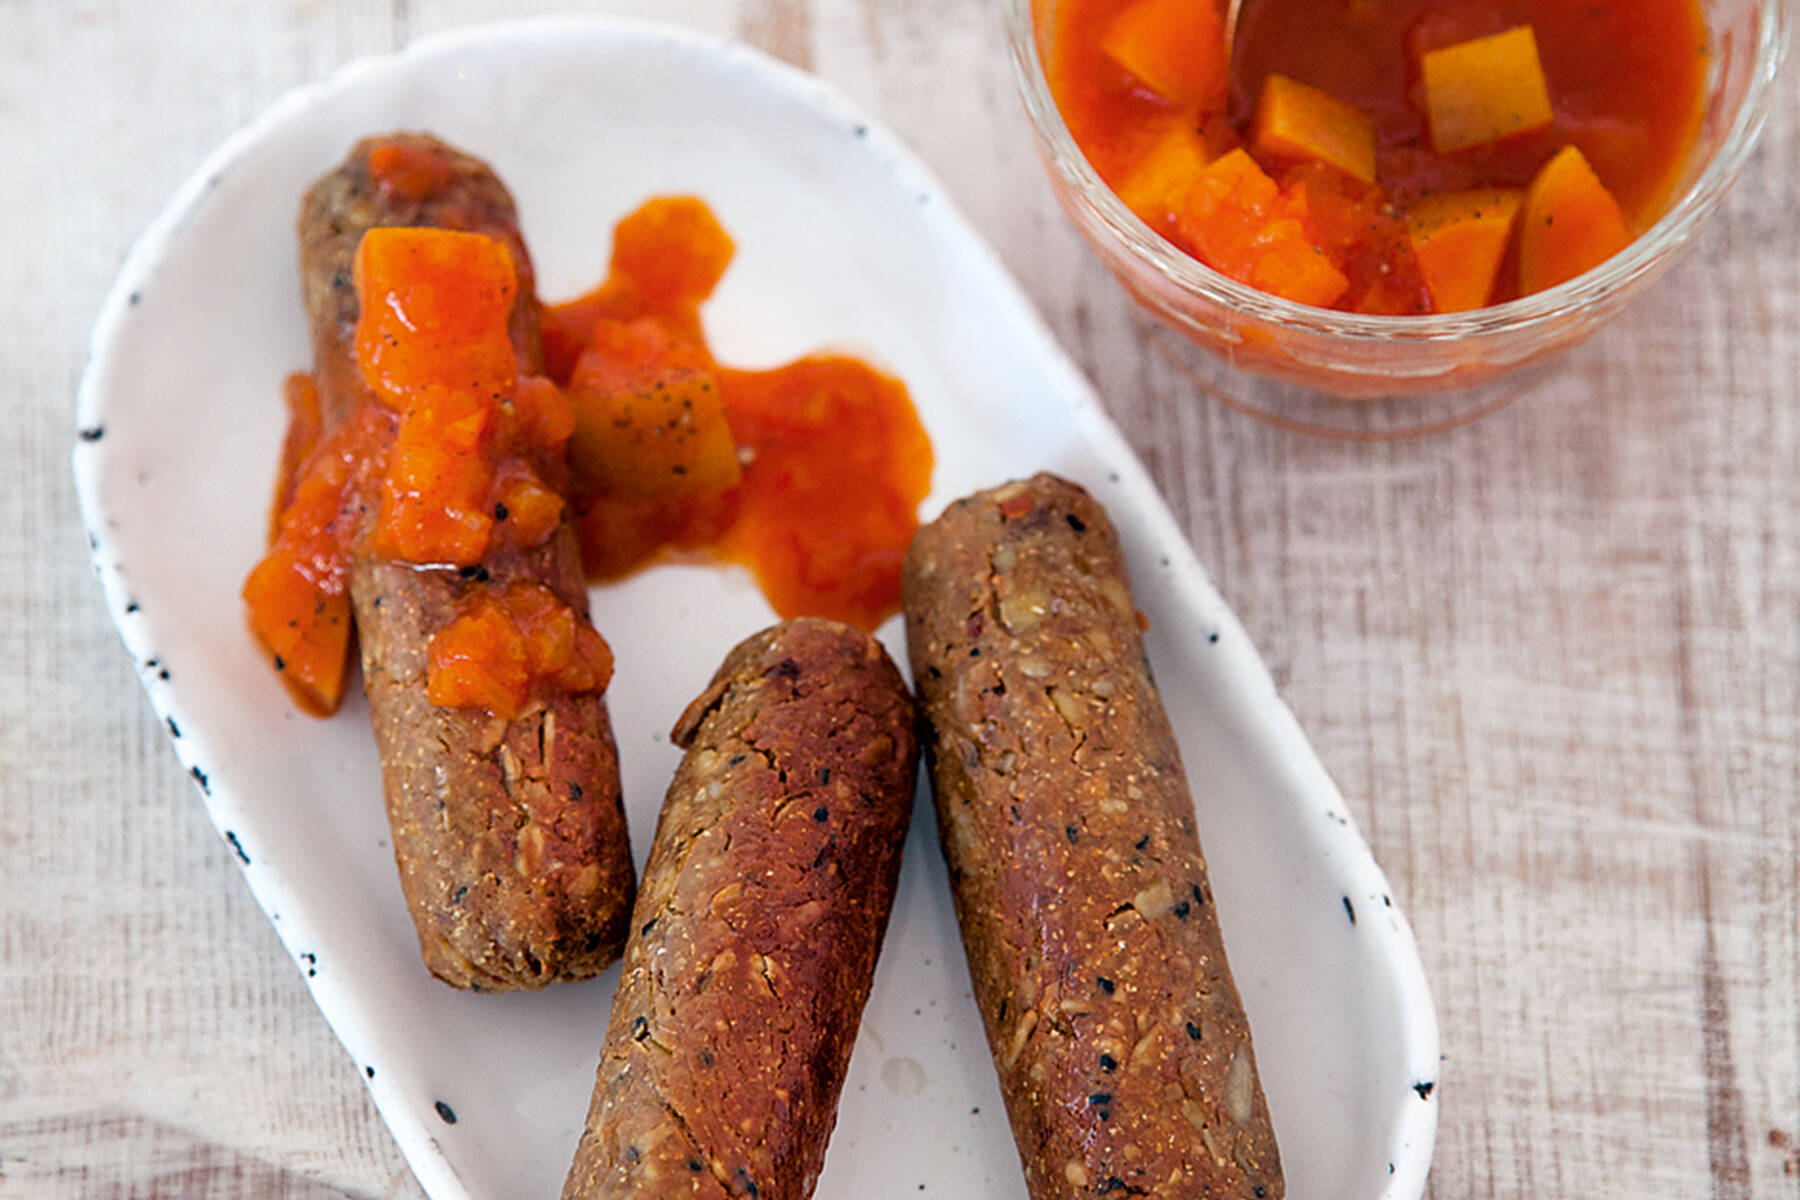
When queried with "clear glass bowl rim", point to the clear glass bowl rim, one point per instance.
{"points": [[1645, 257]]}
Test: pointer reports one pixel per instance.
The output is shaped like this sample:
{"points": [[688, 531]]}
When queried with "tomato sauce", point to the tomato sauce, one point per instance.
{"points": [[809, 474], [1625, 82], [450, 456]]}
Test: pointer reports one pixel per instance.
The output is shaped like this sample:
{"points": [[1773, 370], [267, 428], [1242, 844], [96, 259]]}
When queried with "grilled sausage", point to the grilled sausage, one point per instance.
{"points": [[510, 836], [754, 940], [1122, 1048]]}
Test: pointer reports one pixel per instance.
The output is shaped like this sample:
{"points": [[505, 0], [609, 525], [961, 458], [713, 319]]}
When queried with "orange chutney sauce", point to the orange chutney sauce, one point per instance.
{"points": [[1625, 78], [809, 474], [448, 459]]}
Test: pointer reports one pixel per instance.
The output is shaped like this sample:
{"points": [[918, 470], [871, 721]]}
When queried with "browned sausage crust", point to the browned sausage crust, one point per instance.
{"points": [[510, 836], [757, 927], [1122, 1047]]}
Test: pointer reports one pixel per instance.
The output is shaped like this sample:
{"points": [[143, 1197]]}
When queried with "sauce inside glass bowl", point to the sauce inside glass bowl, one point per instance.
{"points": [[1387, 156]]}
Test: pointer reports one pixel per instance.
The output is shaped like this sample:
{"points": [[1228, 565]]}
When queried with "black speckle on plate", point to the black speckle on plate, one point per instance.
{"points": [[237, 847], [445, 1112], [174, 729], [92, 433], [1424, 1089], [1349, 910], [206, 786], [369, 1071]]}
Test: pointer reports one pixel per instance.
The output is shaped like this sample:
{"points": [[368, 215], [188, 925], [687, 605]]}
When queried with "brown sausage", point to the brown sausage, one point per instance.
{"points": [[756, 931], [510, 836], [1123, 1052]]}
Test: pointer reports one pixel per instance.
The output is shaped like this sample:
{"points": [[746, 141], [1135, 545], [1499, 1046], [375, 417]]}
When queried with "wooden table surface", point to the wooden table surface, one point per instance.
{"points": [[1552, 658]]}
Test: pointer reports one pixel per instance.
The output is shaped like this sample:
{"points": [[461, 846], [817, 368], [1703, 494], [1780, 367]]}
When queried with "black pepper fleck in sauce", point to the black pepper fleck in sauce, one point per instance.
{"points": [[1106, 985]]}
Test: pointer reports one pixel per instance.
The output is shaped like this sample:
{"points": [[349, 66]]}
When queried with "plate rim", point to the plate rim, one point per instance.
{"points": [[1414, 1127]]}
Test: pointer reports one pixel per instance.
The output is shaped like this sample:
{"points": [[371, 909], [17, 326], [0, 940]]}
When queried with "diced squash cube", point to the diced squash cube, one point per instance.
{"points": [[1156, 182], [1485, 89], [1234, 220], [1224, 210], [1291, 267], [1301, 122], [1460, 239], [1176, 48], [648, 417], [433, 309], [303, 625], [1570, 224]]}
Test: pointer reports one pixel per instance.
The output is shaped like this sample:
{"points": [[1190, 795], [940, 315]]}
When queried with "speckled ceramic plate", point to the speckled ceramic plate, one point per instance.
{"points": [[847, 241]]}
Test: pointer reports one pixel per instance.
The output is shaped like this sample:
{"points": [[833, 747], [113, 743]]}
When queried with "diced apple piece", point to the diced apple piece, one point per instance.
{"points": [[1176, 48], [1485, 89], [1459, 239], [1570, 224], [1301, 122], [1155, 184]]}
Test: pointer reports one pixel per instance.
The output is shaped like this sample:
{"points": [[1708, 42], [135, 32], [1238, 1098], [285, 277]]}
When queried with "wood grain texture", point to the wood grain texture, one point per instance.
{"points": [[1552, 658]]}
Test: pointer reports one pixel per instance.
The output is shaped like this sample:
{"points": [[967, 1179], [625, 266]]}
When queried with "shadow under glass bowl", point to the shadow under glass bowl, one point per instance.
{"points": [[1349, 375]]}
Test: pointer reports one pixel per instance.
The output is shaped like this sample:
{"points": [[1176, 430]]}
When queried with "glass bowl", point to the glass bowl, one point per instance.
{"points": [[1314, 369]]}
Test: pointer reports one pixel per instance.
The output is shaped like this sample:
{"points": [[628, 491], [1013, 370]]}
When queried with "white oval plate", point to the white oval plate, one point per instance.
{"points": [[845, 240]]}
